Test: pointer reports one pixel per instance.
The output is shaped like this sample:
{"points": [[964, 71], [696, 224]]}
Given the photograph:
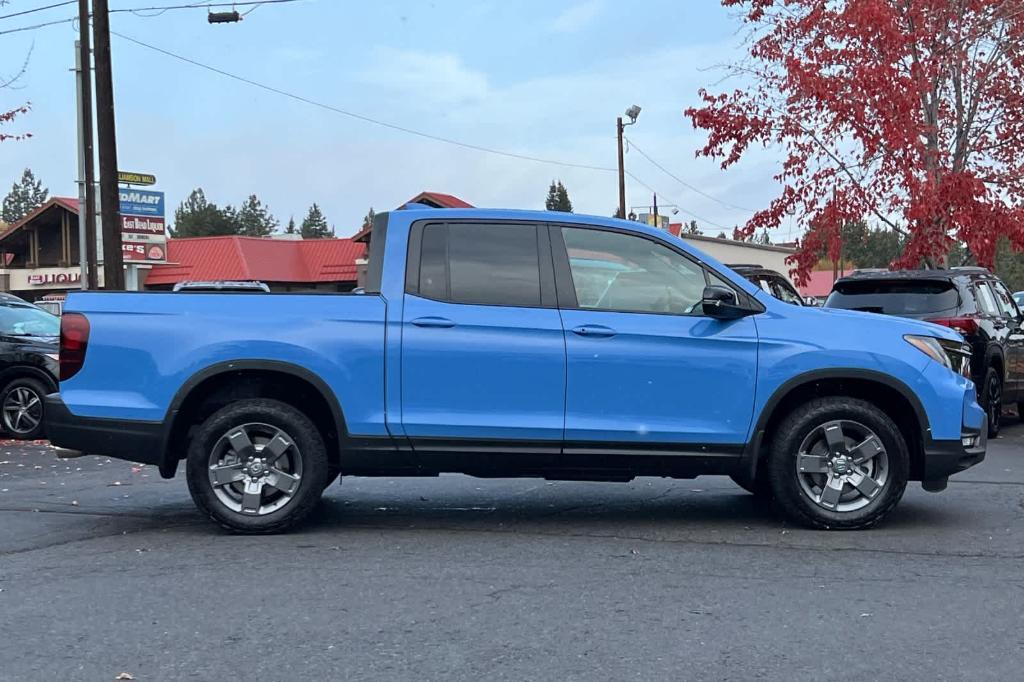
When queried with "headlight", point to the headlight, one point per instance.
{"points": [[931, 347], [53, 356]]}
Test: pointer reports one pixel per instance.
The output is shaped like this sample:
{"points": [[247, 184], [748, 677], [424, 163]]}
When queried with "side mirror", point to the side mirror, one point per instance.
{"points": [[720, 303]]}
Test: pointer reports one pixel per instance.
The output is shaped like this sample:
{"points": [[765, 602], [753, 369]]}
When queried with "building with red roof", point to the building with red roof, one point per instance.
{"points": [[283, 264]]}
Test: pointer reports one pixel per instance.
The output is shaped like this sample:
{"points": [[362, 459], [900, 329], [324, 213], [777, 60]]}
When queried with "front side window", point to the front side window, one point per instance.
{"points": [[1005, 300], [480, 264], [621, 272], [782, 290]]}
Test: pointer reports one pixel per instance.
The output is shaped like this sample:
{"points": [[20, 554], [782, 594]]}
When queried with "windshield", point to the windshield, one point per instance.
{"points": [[27, 320], [895, 297]]}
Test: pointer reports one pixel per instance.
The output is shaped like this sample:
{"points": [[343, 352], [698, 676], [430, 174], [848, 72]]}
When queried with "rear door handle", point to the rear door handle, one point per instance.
{"points": [[438, 322], [595, 330]]}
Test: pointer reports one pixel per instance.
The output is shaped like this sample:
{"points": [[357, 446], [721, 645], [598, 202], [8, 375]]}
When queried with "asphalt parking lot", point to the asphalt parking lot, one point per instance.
{"points": [[107, 569]]}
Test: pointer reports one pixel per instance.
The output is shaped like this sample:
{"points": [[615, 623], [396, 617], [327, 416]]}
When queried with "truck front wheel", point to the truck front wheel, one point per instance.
{"points": [[257, 466], [838, 462]]}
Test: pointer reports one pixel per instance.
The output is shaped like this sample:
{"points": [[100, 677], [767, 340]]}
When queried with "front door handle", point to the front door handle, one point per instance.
{"points": [[438, 322], [595, 330]]}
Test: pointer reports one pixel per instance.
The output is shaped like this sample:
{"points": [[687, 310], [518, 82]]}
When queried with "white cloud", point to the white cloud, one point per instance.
{"points": [[577, 17], [438, 78]]}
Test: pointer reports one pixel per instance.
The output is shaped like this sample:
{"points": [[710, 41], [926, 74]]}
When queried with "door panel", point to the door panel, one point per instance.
{"points": [[643, 365], [659, 378], [483, 352]]}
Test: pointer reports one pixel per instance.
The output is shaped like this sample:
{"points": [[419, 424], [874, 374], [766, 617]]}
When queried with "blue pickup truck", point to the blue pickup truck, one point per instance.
{"points": [[502, 343]]}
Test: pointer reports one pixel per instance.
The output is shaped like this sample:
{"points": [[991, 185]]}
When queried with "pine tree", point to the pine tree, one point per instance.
{"points": [[254, 219], [291, 226], [558, 198], [25, 196], [690, 228], [314, 225], [368, 220], [198, 217]]}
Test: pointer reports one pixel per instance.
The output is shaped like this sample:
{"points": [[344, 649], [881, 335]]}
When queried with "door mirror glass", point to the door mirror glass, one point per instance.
{"points": [[720, 302]]}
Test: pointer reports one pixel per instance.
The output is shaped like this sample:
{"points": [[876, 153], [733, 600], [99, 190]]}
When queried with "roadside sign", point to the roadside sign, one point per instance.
{"points": [[143, 231], [141, 202], [130, 178]]}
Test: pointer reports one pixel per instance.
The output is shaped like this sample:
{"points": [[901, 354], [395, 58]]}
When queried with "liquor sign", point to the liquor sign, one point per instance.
{"points": [[143, 231], [55, 279]]}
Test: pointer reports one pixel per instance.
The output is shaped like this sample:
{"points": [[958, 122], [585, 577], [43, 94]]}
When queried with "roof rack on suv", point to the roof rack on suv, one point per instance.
{"points": [[969, 268], [743, 265]]}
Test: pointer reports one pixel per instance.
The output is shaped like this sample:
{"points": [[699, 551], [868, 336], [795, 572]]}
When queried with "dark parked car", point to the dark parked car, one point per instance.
{"points": [[970, 300], [28, 365], [770, 281]]}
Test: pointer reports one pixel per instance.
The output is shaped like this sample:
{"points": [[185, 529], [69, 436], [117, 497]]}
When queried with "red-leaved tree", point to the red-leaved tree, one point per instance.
{"points": [[907, 112]]}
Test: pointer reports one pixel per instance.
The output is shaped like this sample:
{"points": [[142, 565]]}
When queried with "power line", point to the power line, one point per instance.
{"points": [[35, 26], [37, 9], [683, 182], [677, 204], [362, 117], [197, 5]]}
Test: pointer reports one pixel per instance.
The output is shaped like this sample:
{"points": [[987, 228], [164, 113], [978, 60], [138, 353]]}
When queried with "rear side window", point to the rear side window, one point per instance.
{"points": [[896, 297], [1004, 300], [481, 264], [986, 299]]}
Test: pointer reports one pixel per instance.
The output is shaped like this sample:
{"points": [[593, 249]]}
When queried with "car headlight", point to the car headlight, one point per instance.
{"points": [[930, 346], [53, 356]]}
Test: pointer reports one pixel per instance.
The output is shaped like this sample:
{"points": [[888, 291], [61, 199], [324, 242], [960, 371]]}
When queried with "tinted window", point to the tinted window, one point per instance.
{"points": [[896, 297], [433, 262], [615, 271], [481, 264]]}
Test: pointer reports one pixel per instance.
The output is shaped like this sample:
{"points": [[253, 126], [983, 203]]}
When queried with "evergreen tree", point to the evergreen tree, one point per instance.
{"points": [[291, 226], [25, 196], [314, 225], [721, 235], [558, 198], [368, 220], [690, 228], [198, 217], [254, 219]]}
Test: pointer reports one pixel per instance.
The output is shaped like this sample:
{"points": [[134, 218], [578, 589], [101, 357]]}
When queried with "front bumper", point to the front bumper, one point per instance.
{"points": [[943, 458], [135, 441]]}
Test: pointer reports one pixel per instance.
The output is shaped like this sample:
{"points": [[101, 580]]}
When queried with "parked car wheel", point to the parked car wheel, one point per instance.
{"points": [[21, 402], [838, 463], [257, 466], [991, 399], [759, 487]]}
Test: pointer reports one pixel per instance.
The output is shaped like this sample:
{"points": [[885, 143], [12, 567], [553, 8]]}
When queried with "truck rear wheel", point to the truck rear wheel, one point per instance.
{"points": [[257, 466], [838, 463]]}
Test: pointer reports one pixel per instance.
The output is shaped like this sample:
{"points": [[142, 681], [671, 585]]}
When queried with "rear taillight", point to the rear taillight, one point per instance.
{"points": [[965, 325], [74, 339]]}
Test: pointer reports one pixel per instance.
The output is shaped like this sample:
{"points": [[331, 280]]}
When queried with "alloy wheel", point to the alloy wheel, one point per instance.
{"points": [[22, 410], [842, 466], [255, 469]]}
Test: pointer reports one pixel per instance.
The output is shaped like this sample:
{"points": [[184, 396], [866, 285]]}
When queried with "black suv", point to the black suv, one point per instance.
{"points": [[970, 300], [769, 280], [28, 365]]}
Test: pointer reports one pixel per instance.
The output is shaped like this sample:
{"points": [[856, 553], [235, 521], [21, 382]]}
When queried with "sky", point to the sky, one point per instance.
{"points": [[532, 78]]}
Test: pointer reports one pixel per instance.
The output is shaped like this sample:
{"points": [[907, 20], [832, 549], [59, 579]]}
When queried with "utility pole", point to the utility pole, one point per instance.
{"points": [[86, 167], [657, 220], [113, 258], [622, 170]]}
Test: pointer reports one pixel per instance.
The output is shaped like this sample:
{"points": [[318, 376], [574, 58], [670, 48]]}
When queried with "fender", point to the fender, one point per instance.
{"points": [[167, 468], [29, 370], [752, 454]]}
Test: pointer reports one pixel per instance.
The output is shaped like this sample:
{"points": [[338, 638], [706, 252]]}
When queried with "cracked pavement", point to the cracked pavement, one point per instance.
{"points": [[106, 568]]}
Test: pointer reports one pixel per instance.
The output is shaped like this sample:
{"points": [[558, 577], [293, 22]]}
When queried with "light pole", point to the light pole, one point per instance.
{"points": [[633, 112]]}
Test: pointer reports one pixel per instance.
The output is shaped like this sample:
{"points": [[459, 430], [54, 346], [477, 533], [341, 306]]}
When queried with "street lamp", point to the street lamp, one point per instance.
{"points": [[632, 113]]}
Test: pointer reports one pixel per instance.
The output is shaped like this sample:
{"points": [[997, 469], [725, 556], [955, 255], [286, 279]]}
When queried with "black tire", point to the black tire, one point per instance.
{"points": [[991, 399], [759, 487], [309, 449], [17, 428], [797, 504]]}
